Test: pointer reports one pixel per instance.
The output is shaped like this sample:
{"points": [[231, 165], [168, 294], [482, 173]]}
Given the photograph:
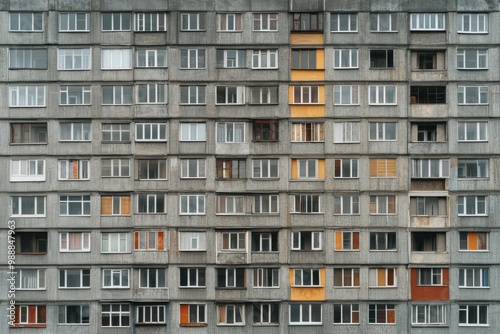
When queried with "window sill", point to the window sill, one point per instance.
{"points": [[31, 253], [193, 325], [28, 326], [150, 324]]}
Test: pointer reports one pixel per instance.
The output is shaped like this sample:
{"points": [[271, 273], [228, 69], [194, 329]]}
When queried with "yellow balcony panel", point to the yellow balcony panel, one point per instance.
{"points": [[308, 75], [307, 39], [308, 293], [307, 111]]}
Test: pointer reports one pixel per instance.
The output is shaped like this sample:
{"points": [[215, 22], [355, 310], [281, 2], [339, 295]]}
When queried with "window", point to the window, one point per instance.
{"points": [[28, 133], [193, 314], [382, 167], [346, 95], [473, 315], [70, 22], [115, 315], [472, 95], [473, 168], [264, 95], [430, 276], [265, 22], [307, 132], [472, 206], [192, 21], [116, 21], [472, 131], [192, 241], [346, 132], [151, 132], [74, 59], [266, 313], [264, 59], [27, 96], [230, 132], [346, 168], [193, 94], [74, 314], [192, 277], [232, 314], [230, 205], [193, 132], [74, 132], [306, 277], [149, 240], [347, 241], [152, 278], [427, 21], [381, 314], [193, 59], [192, 204], [231, 169], [430, 168], [266, 277], [264, 241], [474, 278], [151, 93], [305, 94], [193, 169], [30, 206], [230, 95], [428, 132], [26, 21], [115, 278], [35, 59], [266, 204], [30, 279], [152, 169], [428, 242], [266, 130], [74, 205], [428, 206], [150, 22], [231, 58], [382, 277], [345, 59], [307, 22], [346, 205], [305, 314], [115, 167], [74, 242], [303, 59], [382, 95], [230, 277], [30, 316], [306, 204], [116, 95], [115, 132], [31, 242], [151, 58], [345, 277], [74, 278], [428, 60], [382, 205], [383, 241], [74, 95], [346, 314], [151, 203], [229, 22], [472, 23], [27, 170], [233, 241], [115, 205], [115, 242], [150, 314], [428, 314], [472, 59], [383, 131], [344, 22], [265, 168], [383, 22], [474, 241], [307, 240], [428, 94]]}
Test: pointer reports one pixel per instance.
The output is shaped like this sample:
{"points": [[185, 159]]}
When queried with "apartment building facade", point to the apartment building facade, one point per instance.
{"points": [[282, 166]]}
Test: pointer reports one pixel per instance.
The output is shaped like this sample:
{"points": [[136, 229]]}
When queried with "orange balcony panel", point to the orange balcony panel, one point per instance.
{"points": [[308, 75], [307, 39], [430, 292], [299, 293], [307, 111]]}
